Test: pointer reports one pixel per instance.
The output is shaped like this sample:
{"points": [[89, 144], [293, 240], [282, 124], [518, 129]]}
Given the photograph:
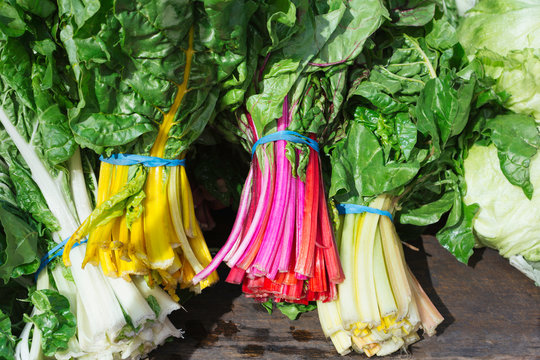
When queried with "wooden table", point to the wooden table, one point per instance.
{"points": [[491, 311]]}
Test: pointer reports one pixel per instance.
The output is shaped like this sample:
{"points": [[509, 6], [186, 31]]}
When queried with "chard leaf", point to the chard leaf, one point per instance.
{"points": [[129, 196], [442, 36], [18, 250], [285, 66], [154, 305], [81, 10], [442, 111], [16, 70], [457, 235], [11, 23], [359, 169], [429, 213], [7, 340], [28, 196], [292, 311], [360, 19], [41, 8], [412, 12], [517, 140], [54, 319]]}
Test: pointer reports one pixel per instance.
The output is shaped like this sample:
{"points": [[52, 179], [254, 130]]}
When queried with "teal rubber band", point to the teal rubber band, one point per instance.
{"points": [[359, 209], [287, 135], [55, 252], [148, 161]]}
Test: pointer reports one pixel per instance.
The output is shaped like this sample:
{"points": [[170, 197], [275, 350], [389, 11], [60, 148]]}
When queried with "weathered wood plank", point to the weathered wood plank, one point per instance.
{"points": [[491, 312]]}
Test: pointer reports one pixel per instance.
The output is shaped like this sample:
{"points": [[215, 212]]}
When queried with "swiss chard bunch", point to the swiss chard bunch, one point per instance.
{"points": [[281, 246], [147, 77], [413, 114], [408, 125], [76, 312]]}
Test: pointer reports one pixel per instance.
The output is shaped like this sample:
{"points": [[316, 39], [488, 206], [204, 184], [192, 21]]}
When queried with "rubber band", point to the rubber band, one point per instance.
{"points": [[148, 161], [287, 135], [55, 252], [359, 209]]}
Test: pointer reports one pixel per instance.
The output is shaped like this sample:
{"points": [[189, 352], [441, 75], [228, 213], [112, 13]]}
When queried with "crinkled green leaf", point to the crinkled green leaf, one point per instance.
{"points": [[18, 250], [292, 310], [41, 8], [442, 36], [285, 66], [7, 340], [517, 140], [457, 235], [81, 10], [128, 195], [16, 70], [412, 12], [429, 213], [518, 74], [54, 319], [359, 169], [360, 20], [11, 23], [442, 111], [501, 26], [128, 71]]}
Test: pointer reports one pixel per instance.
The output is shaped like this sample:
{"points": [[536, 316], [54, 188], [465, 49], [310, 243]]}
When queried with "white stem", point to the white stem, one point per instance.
{"points": [[78, 187], [49, 187]]}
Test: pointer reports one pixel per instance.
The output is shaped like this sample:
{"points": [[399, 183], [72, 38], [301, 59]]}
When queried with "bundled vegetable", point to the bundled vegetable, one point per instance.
{"points": [[150, 94], [380, 305], [401, 156], [281, 246], [77, 313]]}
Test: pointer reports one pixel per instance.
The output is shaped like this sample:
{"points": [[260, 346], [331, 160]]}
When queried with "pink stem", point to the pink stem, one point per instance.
{"points": [[288, 234], [271, 239], [235, 232], [262, 206]]}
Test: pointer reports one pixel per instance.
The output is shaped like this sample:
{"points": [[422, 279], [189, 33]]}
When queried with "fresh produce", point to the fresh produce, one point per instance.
{"points": [[507, 219], [409, 109], [151, 93], [281, 246], [505, 38], [19, 256], [77, 313], [120, 319]]}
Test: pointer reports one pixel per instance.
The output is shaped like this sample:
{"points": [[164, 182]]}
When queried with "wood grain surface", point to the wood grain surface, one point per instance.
{"points": [[491, 311]]}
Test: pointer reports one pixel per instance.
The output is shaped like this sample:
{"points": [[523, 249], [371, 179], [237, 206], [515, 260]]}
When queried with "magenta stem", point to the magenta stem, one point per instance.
{"points": [[234, 235]]}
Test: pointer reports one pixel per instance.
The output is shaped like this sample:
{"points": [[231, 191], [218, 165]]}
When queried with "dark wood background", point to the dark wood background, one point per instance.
{"points": [[491, 311]]}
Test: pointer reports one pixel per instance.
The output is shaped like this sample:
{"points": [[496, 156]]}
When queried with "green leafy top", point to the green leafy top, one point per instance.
{"points": [[309, 46], [36, 89], [7, 340], [54, 319], [129, 57], [415, 109]]}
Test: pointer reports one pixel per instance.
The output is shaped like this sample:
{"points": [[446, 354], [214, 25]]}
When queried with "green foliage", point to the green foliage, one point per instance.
{"points": [[54, 319]]}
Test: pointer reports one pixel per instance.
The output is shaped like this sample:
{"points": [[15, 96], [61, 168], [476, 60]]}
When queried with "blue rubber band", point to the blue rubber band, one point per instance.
{"points": [[55, 252], [286, 135], [148, 161], [358, 209]]}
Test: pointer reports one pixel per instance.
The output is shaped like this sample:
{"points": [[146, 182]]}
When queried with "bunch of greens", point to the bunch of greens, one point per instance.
{"points": [[303, 51], [76, 313], [148, 76], [409, 111]]}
